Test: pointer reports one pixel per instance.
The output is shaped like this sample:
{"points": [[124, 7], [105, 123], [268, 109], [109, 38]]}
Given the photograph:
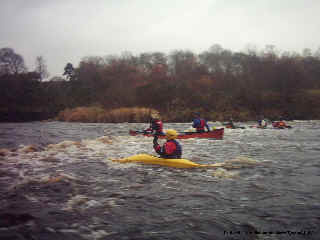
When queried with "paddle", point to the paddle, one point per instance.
{"points": [[134, 132], [234, 127]]}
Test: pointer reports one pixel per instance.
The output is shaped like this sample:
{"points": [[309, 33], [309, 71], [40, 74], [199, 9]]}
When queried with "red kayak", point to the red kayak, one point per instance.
{"points": [[280, 125], [216, 134]]}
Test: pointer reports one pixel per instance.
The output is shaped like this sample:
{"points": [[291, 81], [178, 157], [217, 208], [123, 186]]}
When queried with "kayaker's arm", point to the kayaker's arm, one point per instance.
{"points": [[157, 147], [207, 126], [155, 140], [148, 130], [160, 150]]}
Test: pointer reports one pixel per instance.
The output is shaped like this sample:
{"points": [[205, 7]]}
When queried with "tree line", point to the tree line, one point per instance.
{"points": [[218, 83]]}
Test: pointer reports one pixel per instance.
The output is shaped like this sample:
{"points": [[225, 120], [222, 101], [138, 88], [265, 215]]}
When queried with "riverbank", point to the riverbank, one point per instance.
{"points": [[24, 116], [141, 114], [97, 114]]}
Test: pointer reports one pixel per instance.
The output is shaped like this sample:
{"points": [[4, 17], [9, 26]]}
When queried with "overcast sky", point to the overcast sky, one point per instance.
{"points": [[66, 30]]}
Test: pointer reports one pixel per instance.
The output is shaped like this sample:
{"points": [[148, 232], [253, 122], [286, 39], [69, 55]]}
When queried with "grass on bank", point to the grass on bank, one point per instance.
{"points": [[100, 115], [141, 114], [295, 109]]}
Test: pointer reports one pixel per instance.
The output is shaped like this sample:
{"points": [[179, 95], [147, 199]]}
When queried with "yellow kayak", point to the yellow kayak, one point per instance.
{"points": [[177, 163]]}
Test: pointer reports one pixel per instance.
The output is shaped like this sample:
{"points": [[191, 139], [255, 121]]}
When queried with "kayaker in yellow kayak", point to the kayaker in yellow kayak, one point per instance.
{"points": [[199, 123], [171, 148]]}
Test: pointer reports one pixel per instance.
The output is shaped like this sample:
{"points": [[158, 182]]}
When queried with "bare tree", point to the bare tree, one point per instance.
{"points": [[69, 71], [306, 52], [11, 62], [41, 68], [317, 53]]}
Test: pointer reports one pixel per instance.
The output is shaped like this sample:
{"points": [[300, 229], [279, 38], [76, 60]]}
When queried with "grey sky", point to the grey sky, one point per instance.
{"points": [[66, 30]]}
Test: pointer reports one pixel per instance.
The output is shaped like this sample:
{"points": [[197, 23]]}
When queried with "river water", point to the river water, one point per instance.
{"points": [[57, 181]]}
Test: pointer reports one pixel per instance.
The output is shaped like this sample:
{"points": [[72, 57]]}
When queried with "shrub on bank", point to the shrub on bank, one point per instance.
{"points": [[142, 114], [134, 114], [98, 114], [81, 114]]}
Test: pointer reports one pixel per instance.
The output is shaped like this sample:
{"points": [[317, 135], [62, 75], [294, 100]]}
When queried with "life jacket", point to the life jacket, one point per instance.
{"points": [[157, 126], [200, 126], [172, 149]]}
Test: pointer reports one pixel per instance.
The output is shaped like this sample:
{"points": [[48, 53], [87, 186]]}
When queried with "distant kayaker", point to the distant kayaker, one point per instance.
{"points": [[279, 124], [262, 123], [156, 125], [171, 148], [199, 123]]}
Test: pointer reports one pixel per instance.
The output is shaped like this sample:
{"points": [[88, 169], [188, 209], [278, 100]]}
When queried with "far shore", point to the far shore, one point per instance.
{"points": [[138, 115]]}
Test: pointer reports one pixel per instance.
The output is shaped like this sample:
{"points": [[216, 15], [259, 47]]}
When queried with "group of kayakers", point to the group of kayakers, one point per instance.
{"points": [[172, 148], [262, 123], [156, 125]]}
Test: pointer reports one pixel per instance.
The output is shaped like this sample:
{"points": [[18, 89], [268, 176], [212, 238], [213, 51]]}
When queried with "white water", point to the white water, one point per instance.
{"points": [[275, 179]]}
